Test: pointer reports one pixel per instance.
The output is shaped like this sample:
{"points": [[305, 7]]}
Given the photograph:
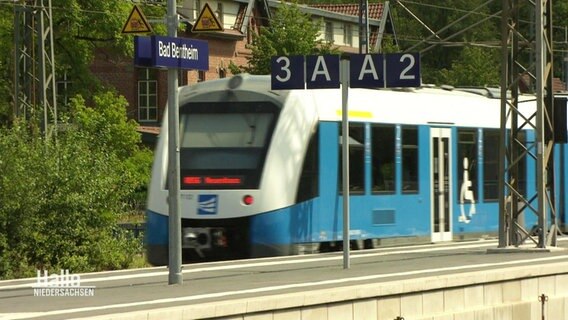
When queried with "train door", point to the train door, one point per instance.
{"points": [[440, 184]]}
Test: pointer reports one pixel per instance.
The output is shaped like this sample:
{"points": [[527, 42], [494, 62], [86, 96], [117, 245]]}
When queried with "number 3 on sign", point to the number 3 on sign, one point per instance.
{"points": [[287, 72], [284, 64]]}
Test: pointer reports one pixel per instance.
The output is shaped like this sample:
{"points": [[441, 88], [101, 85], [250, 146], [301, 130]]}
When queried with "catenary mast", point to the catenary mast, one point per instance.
{"points": [[526, 53], [34, 69]]}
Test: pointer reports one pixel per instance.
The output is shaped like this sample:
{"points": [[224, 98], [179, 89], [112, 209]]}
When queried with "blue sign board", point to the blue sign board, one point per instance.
{"points": [[365, 71], [403, 70], [322, 72], [171, 52], [282, 76]]}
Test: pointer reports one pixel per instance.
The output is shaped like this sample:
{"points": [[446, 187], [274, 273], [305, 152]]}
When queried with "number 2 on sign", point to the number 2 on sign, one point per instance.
{"points": [[404, 73]]}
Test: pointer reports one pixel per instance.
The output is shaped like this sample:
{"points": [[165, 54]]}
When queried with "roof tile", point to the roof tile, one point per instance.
{"points": [[352, 9]]}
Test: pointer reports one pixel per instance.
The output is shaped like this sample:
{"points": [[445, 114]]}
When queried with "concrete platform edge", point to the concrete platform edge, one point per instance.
{"points": [[451, 287]]}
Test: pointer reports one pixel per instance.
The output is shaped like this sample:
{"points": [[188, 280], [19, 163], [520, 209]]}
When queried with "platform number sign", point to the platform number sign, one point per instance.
{"points": [[282, 76], [322, 72], [403, 70], [366, 71]]}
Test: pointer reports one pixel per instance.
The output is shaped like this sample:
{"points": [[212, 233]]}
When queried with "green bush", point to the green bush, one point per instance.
{"points": [[61, 199]]}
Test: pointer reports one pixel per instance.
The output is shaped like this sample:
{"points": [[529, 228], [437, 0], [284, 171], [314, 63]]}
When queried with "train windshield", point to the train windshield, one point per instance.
{"points": [[223, 145]]}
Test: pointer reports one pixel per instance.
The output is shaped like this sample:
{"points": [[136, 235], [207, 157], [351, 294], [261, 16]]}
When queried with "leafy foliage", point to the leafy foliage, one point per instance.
{"points": [[443, 33], [105, 122], [474, 67], [110, 130], [81, 29], [444, 55], [291, 32], [60, 200]]}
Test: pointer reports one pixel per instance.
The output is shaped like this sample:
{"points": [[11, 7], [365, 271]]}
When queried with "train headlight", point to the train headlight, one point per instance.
{"points": [[203, 239], [196, 238], [248, 200], [235, 82]]}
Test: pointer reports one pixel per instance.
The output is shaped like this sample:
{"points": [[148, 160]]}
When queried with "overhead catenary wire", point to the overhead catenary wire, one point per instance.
{"points": [[445, 42], [428, 40]]}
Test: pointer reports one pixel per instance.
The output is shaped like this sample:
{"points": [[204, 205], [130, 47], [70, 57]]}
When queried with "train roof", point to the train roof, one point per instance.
{"points": [[241, 84], [443, 106]]}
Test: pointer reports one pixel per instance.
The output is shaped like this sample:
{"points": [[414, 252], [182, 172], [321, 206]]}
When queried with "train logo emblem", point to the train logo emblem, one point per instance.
{"points": [[207, 204]]}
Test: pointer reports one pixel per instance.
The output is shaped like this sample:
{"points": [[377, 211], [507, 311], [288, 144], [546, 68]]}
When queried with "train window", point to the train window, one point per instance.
{"points": [[224, 145], [356, 158], [522, 188], [467, 155], [308, 187], [490, 164], [522, 165], [382, 158], [409, 159]]}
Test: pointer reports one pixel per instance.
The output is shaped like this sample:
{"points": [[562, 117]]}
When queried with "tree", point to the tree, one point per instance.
{"points": [[560, 36], [110, 131], [290, 32], [445, 55], [81, 28], [60, 201], [453, 35], [474, 67]]}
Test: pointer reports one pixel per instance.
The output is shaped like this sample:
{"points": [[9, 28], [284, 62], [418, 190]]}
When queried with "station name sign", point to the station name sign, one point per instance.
{"points": [[365, 71], [171, 52]]}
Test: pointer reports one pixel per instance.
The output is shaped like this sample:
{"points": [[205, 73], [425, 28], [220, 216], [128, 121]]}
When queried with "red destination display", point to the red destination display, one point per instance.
{"points": [[212, 180]]}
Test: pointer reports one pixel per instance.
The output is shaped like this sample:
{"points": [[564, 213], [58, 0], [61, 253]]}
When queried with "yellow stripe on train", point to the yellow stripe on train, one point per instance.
{"points": [[356, 114]]}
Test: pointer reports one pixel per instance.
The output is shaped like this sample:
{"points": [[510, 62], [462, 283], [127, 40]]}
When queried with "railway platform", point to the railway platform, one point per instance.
{"points": [[459, 280]]}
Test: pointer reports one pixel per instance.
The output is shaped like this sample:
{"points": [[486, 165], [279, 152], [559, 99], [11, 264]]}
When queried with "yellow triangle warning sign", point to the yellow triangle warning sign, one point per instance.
{"points": [[136, 22], [207, 21]]}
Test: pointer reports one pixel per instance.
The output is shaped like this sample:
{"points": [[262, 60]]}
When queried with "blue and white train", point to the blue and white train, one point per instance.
{"points": [[261, 169]]}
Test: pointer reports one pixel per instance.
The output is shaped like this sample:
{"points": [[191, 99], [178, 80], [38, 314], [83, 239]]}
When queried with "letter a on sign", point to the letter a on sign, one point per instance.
{"points": [[366, 71], [207, 21], [322, 72], [136, 22]]}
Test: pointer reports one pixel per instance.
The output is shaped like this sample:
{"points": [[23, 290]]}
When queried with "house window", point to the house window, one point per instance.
{"points": [[147, 95], [197, 4], [200, 76], [347, 35], [220, 12], [329, 31]]}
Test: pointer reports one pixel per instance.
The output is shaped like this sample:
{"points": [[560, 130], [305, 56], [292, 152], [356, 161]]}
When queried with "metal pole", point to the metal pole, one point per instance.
{"points": [[366, 26], [540, 125], [344, 75], [174, 220], [566, 58], [363, 26], [503, 212]]}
